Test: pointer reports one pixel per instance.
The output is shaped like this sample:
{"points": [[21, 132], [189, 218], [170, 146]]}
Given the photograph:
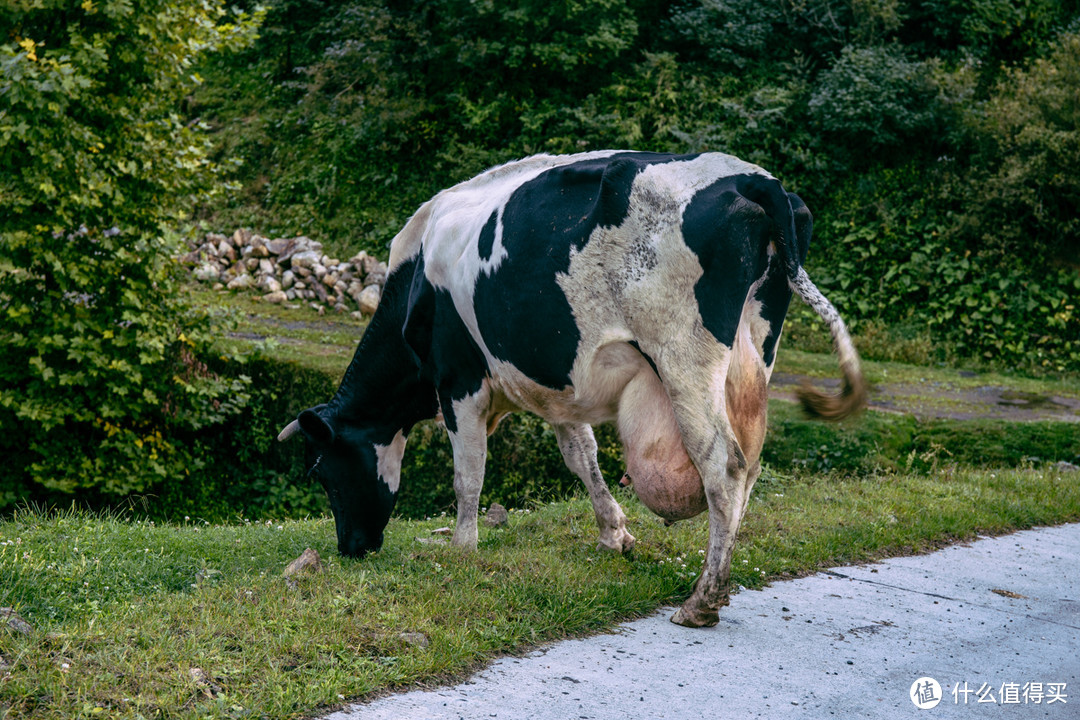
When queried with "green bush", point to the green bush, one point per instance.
{"points": [[878, 442], [873, 101], [101, 358], [893, 255], [243, 470]]}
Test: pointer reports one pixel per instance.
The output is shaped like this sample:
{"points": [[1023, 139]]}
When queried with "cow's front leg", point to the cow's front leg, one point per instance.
{"points": [[578, 447], [468, 438]]}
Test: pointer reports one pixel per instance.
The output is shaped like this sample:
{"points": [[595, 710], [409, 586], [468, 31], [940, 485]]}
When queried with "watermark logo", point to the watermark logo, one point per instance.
{"points": [[925, 693]]}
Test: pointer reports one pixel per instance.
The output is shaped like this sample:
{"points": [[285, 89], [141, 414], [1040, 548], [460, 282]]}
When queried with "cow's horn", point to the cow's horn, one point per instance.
{"points": [[288, 431]]}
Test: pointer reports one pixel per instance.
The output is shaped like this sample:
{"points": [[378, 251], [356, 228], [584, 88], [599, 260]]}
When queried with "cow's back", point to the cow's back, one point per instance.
{"points": [[550, 260]]}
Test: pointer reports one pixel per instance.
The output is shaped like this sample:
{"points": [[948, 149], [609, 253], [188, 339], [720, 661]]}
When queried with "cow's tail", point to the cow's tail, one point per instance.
{"points": [[852, 398]]}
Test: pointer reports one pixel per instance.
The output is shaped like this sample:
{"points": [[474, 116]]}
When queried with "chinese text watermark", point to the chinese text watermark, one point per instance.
{"points": [[926, 693]]}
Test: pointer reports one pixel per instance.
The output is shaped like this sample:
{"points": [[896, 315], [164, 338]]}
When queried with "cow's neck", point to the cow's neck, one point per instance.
{"points": [[382, 387]]}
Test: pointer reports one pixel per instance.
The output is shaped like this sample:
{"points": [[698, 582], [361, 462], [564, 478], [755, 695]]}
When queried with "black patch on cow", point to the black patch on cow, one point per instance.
{"points": [[521, 311], [615, 186], [486, 244], [446, 353], [382, 388], [730, 234], [804, 226], [775, 293]]}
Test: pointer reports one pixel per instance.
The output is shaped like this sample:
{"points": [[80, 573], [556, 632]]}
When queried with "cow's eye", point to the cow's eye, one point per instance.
{"points": [[311, 470]]}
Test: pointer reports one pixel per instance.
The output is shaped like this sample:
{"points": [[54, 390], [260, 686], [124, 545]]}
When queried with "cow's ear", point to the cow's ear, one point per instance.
{"points": [[316, 427]]}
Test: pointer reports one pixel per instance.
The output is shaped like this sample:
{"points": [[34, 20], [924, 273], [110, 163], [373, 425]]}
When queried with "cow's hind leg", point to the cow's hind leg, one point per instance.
{"points": [[698, 398], [468, 438], [578, 447]]}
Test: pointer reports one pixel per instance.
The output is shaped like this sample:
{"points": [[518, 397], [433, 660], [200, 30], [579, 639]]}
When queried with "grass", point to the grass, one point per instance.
{"points": [[292, 332], [133, 619]]}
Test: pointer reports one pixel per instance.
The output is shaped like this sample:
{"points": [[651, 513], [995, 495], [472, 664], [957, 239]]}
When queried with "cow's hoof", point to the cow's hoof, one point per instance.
{"points": [[695, 618], [620, 542]]}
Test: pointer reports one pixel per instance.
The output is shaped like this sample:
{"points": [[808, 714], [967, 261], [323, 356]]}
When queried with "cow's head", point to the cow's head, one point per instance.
{"points": [[359, 467]]}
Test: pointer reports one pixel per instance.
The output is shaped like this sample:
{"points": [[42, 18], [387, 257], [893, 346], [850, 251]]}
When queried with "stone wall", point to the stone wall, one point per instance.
{"points": [[284, 270]]}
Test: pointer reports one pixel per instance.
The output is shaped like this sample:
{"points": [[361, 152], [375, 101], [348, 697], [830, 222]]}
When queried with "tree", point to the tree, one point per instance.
{"points": [[99, 352]]}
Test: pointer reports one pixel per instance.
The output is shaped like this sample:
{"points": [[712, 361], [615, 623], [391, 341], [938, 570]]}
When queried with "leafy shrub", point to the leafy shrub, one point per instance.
{"points": [[1025, 187], [893, 255], [875, 99], [731, 33], [878, 442], [244, 471], [100, 356]]}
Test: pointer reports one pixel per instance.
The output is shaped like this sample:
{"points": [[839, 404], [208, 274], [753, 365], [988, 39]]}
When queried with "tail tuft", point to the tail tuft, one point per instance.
{"points": [[851, 400]]}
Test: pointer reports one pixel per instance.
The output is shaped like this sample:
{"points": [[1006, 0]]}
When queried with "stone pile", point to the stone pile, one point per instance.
{"points": [[288, 269]]}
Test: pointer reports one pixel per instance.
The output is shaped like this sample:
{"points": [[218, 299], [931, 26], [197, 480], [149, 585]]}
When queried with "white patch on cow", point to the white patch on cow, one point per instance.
{"points": [[469, 443], [498, 252], [409, 241], [754, 328], [388, 461]]}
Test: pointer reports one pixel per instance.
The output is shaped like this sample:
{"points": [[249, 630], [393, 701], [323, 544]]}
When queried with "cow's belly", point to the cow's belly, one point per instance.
{"points": [[621, 385], [599, 380]]}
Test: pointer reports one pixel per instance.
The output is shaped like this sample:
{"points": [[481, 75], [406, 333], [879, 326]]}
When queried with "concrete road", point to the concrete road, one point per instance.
{"points": [[996, 623]]}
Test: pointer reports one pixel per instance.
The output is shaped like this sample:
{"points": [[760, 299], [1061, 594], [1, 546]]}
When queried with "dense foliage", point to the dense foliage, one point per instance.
{"points": [[99, 354], [936, 140]]}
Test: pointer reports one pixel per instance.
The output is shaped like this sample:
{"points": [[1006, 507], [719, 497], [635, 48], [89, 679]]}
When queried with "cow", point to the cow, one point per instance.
{"points": [[649, 289]]}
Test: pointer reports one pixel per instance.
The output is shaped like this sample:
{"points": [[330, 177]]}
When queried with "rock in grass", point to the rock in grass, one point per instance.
{"points": [[16, 623], [308, 562], [417, 639], [204, 682], [276, 297], [496, 516], [368, 299]]}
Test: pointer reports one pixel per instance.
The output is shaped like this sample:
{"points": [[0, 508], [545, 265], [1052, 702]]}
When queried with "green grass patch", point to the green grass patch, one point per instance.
{"points": [[124, 610], [289, 333], [876, 442]]}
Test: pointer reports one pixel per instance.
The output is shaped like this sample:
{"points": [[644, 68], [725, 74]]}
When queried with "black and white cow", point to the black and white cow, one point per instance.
{"points": [[643, 288]]}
